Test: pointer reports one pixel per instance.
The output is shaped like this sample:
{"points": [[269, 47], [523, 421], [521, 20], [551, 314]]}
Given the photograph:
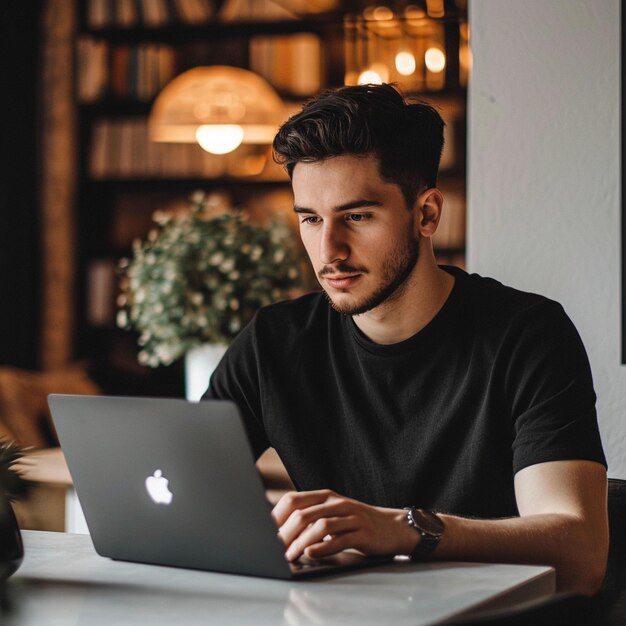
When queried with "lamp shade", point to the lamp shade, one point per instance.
{"points": [[217, 103]]}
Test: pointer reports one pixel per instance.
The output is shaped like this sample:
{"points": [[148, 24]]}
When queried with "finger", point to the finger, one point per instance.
{"points": [[334, 545], [322, 531], [301, 519], [294, 500]]}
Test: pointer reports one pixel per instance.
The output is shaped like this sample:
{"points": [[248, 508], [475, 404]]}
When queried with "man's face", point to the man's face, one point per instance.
{"points": [[357, 231]]}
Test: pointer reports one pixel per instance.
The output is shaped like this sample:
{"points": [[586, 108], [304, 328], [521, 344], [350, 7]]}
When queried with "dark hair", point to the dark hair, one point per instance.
{"points": [[406, 137]]}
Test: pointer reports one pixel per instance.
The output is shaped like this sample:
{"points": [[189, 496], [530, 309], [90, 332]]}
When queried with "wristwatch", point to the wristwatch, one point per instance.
{"points": [[429, 526]]}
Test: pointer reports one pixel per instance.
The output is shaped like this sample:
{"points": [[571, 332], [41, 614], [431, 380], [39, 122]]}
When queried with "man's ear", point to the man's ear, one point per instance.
{"points": [[429, 205]]}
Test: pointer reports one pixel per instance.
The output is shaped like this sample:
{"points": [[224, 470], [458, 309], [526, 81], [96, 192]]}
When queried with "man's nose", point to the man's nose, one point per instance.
{"points": [[333, 247]]}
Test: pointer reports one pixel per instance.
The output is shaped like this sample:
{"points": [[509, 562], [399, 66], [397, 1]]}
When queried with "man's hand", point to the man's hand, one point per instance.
{"points": [[321, 523], [563, 523]]}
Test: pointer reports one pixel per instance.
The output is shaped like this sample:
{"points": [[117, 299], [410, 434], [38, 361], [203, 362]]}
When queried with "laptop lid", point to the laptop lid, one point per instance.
{"points": [[172, 482]]}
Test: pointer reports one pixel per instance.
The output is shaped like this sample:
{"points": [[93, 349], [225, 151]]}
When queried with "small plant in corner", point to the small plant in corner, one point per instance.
{"points": [[201, 275], [13, 486]]}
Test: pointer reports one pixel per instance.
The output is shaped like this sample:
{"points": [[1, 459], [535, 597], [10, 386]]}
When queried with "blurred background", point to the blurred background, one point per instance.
{"points": [[101, 114], [531, 93]]}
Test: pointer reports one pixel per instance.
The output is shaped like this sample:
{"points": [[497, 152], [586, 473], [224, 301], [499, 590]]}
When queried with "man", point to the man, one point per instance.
{"points": [[406, 384]]}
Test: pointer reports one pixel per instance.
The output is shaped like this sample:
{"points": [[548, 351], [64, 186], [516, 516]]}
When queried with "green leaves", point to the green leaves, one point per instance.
{"points": [[12, 485], [200, 276]]}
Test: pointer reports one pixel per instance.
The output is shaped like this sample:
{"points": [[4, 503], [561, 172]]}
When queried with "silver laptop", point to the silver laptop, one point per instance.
{"points": [[172, 482]]}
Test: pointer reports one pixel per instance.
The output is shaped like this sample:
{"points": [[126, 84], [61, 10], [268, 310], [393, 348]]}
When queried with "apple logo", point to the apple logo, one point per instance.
{"points": [[157, 488]]}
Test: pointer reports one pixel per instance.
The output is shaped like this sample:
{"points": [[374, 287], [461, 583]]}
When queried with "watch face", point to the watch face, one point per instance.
{"points": [[427, 522]]}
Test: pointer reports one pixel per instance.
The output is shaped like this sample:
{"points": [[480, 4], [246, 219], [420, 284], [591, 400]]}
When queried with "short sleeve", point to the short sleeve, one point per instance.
{"points": [[236, 378], [550, 391]]}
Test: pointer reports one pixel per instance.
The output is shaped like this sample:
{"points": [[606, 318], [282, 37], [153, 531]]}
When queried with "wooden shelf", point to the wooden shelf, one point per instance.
{"points": [[182, 33], [161, 183], [116, 204]]}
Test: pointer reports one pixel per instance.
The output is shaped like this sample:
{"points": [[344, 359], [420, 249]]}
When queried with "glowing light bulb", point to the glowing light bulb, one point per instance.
{"points": [[435, 60], [369, 77], [405, 63], [219, 138]]}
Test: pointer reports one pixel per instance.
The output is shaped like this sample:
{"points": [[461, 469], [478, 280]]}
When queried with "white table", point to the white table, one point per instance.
{"points": [[62, 581]]}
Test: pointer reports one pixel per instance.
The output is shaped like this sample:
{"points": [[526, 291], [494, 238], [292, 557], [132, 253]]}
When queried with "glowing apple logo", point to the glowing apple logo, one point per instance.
{"points": [[157, 488]]}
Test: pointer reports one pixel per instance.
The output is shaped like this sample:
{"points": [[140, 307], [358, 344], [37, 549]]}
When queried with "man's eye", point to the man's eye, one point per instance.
{"points": [[312, 219], [357, 217]]}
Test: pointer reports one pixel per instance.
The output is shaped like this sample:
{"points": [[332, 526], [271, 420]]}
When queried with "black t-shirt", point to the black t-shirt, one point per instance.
{"points": [[497, 381]]}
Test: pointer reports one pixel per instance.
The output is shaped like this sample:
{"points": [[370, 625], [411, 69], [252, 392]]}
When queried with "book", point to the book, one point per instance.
{"points": [[291, 63], [119, 82], [166, 66], [101, 287], [125, 163], [138, 147], [154, 13], [91, 69], [250, 10], [126, 14], [193, 11], [98, 13]]}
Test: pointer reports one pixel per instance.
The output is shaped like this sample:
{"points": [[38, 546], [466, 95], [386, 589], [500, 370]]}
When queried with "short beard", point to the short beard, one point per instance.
{"points": [[395, 273]]}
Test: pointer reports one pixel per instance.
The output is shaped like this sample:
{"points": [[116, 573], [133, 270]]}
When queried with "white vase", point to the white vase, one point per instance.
{"points": [[199, 365]]}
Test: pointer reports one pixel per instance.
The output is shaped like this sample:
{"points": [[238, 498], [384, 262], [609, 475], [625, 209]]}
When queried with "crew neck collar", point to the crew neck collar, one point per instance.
{"points": [[441, 318]]}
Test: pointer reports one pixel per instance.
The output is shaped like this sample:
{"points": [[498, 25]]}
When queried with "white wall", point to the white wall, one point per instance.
{"points": [[544, 171]]}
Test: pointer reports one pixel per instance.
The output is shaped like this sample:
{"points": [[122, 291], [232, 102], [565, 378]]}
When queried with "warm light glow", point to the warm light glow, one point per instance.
{"points": [[414, 12], [435, 8], [405, 63], [414, 16], [378, 14], [435, 60], [383, 13], [219, 107], [351, 78], [369, 77], [254, 164], [382, 70], [219, 138], [465, 58], [375, 74]]}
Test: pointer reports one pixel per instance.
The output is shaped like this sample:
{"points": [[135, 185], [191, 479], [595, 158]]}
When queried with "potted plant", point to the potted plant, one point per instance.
{"points": [[200, 276], [12, 487]]}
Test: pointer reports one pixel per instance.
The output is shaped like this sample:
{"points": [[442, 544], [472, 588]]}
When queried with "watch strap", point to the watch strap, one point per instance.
{"points": [[425, 547], [430, 536]]}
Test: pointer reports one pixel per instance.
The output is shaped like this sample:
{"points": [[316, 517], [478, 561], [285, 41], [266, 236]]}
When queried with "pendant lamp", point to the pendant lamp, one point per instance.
{"points": [[218, 106]]}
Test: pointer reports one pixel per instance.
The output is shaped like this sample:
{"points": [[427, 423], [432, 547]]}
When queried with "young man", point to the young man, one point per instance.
{"points": [[419, 410]]}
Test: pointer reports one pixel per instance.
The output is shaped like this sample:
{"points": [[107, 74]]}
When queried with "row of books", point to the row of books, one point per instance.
{"points": [[146, 13], [122, 71], [122, 149], [101, 14], [291, 63]]}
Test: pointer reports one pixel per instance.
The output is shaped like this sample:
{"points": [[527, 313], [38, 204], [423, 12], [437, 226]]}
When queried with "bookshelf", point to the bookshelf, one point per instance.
{"points": [[125, 52]]}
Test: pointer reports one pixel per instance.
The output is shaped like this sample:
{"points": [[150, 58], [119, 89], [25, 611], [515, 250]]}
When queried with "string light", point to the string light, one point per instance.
{"points": [[369, 77], [406, 47], [405, 63], [435, 60]]}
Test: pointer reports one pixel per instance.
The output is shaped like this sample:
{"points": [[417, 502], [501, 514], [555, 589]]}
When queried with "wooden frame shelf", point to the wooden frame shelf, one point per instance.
{"points": [[181, 33], [121, 182]]}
